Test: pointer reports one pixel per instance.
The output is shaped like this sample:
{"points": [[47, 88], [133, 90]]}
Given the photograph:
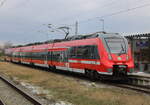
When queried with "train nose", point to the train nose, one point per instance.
{"points": [[119, 58]]}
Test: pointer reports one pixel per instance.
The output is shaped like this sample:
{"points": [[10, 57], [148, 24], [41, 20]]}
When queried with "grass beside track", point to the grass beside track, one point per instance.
{"points": [[66, 88]]}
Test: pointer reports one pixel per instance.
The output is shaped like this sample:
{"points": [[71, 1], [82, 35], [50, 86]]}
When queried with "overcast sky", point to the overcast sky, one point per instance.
{"points": [[22, 21]]}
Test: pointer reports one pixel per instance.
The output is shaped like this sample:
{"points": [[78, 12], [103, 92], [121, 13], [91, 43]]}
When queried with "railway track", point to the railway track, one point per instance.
{"points": [[126, 85], [1, 102], [137, 88], [136, 83], [11, 94], [139, 81]]}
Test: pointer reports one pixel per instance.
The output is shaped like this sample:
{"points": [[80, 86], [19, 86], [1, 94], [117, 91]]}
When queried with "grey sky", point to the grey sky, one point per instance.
{"points": [[21, 21]]}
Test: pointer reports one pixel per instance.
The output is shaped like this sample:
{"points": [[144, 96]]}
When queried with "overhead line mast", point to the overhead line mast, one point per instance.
{"points": [[76, 28]]}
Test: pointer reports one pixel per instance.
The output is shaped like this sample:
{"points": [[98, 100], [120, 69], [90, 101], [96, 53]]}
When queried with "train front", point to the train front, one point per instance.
{"points": [[118, 60]]}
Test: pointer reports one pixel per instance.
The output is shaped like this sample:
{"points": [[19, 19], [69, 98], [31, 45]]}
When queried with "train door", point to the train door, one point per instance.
{"points": [[49, 58], [46, 57], [66, 59], [63, 59], [60, 59]]}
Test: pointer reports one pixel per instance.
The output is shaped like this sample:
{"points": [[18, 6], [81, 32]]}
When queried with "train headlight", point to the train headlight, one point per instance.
{"points": [[109, 56], [127, 57]]}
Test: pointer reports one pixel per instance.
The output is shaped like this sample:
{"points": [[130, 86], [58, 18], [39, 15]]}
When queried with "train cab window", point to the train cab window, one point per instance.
{"points": [[84, 52], [116, 45]]}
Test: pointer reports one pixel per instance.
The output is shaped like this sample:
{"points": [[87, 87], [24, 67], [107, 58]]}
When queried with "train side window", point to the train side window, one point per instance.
{"points": [[72, 52], [95, 52], [22, 54], [43, 55], [84, 52], [39, 55], [55, 55], [59, 56], [65, 56], [35, 55], [49, 56], [16, 54], [27, 54]]}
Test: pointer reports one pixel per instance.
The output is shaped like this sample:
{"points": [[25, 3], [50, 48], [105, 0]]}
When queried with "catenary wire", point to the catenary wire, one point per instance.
{"points": [[113, 14]]}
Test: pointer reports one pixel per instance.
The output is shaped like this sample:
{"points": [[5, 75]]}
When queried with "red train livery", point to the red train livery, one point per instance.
{"points": [[97, 54]]}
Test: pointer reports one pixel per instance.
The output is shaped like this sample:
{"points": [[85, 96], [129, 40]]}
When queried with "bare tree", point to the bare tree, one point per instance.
{"points": [[7, 45]]}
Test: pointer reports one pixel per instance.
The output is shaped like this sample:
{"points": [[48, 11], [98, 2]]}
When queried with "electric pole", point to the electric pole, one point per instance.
{"points": [[76, 28], [102, 20]]}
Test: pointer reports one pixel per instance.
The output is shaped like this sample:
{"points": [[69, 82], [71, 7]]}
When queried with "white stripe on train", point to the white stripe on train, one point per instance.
{"points": [[79, 70], [85, 62]]}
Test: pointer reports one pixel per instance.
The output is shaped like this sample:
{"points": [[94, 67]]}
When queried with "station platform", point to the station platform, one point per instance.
{"points": [[142, 74]]}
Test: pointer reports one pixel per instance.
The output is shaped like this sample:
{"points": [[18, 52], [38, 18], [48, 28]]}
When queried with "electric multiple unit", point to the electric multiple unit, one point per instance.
{"points": [[97, 54]]}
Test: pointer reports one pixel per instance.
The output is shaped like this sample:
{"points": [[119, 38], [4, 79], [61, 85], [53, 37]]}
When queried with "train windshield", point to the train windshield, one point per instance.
{"points": [[116, 45]]}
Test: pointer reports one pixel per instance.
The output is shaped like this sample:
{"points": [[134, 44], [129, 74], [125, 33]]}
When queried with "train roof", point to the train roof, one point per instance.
{"points": [[75, 37], [26, 48]]}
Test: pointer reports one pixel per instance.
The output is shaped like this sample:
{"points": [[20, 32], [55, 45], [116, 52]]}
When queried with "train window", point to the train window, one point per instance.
{"points": [[84, 52], [25, 54], [59, 56], [56, 55], [34, 56], [65, 57], [39, 55], [49, 56], [116, 45], [72, 52], [22, 54], [16, 54], [28, 54]]}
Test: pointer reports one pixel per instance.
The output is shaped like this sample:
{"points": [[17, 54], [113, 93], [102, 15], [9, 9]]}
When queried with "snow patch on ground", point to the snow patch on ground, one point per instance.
{"points": [[94, 85], [62, 103], [35, 89], [39, 90]]}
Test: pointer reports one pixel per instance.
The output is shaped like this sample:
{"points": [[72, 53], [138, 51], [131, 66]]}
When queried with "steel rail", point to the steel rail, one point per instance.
{"points": [[140, 76], [22, 92], [135, 88], [127, 85], [1, 102], [140, 81]]}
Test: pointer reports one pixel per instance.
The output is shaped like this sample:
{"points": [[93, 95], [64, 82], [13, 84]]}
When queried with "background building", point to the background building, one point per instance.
{"points": [[140, 44]]}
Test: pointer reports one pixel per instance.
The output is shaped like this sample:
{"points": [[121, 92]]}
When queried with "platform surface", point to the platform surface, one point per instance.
{"points": [[143, 74]]}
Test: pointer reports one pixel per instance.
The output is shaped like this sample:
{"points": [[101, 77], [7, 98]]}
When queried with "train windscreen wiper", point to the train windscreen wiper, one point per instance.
{"points": [[122, 50]]}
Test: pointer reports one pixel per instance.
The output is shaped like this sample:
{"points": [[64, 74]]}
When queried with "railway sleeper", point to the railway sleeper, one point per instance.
{"points": [[138, 81]]}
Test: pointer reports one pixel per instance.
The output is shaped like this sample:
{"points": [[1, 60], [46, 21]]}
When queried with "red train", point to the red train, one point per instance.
{"points": [[97, 54]]}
